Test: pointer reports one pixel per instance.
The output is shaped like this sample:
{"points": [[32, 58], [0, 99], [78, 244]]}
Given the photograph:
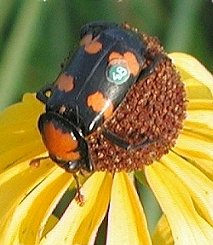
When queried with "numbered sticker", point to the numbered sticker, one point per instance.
{"points": [[117, 72]]}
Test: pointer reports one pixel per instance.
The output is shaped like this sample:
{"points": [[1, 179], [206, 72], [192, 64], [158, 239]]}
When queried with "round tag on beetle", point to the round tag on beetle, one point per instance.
{"points": [[117, 71]]}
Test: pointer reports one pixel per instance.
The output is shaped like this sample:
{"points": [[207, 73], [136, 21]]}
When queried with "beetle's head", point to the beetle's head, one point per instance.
{"points": [[64, 142]]}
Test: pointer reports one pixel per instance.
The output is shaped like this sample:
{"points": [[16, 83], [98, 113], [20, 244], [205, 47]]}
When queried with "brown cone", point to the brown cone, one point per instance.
{"points": [[153, 108]]}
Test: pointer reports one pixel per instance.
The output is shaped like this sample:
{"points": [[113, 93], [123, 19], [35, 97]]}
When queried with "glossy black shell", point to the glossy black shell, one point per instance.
{"points": [[89, 71]]}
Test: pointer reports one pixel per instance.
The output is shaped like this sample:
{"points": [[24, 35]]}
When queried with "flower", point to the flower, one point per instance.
{"points": [[182, 181]]}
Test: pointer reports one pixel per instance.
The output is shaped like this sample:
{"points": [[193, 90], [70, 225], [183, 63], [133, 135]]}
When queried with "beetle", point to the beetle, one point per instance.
{"points": [[92, 84]]}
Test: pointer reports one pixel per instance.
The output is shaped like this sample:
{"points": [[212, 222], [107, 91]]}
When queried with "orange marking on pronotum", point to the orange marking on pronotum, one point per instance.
{"points": [[130, 58], [94, 46], [65, 82], [59, 143], [99, 103], [86, 40]]}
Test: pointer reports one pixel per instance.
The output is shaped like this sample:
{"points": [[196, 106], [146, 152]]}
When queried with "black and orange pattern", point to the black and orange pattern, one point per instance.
{"points": [[89, 93]]}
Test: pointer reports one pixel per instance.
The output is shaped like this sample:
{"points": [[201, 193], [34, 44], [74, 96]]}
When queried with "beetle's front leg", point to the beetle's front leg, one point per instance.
{"points": [[147, 71], [119, 141]]}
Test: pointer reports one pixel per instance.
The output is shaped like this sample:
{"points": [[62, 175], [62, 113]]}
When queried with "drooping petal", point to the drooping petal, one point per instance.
{"points": [[126, 219], [187, 226], [16, 182], [194, 75], [20, 228], [200, 187], [162, 234], [79, 224]]}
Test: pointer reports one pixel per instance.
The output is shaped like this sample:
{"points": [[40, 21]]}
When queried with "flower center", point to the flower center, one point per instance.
{"points": [[150, 117]]}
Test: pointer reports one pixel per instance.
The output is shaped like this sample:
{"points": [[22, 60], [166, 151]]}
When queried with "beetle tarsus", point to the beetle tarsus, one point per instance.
{"points": [[35, 163], [78, 197]]}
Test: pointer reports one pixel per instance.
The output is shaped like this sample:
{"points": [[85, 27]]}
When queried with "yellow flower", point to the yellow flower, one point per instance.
{"points": [[181, 180]]}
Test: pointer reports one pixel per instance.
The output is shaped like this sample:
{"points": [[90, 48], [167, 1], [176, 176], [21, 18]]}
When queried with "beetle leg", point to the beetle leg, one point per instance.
{"points": [[151, 68], [42, 94], [119, 141], [79, 197], [35, 163]]}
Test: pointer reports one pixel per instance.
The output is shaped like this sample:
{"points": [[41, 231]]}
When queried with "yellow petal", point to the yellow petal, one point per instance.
{"points": [[18, 181], [162, 234], [200, 187], [200, 122], [20, 139], [126, 219], [189, 68], [79, 224], [51, 222], [15, 114], [197, 148], [195, 145], [198, 128], [204, 165], [192, 87], [200, 104], [20, 228], [187, 226], [200, 117], [21, 153]]}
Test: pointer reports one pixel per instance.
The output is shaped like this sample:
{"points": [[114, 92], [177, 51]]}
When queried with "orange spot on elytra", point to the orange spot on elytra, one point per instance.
{"points": [[130, 59], [59, 143], [100, 104], [115, 55], [65, 82], [132, 62], [94, 46], [87, 39]]}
